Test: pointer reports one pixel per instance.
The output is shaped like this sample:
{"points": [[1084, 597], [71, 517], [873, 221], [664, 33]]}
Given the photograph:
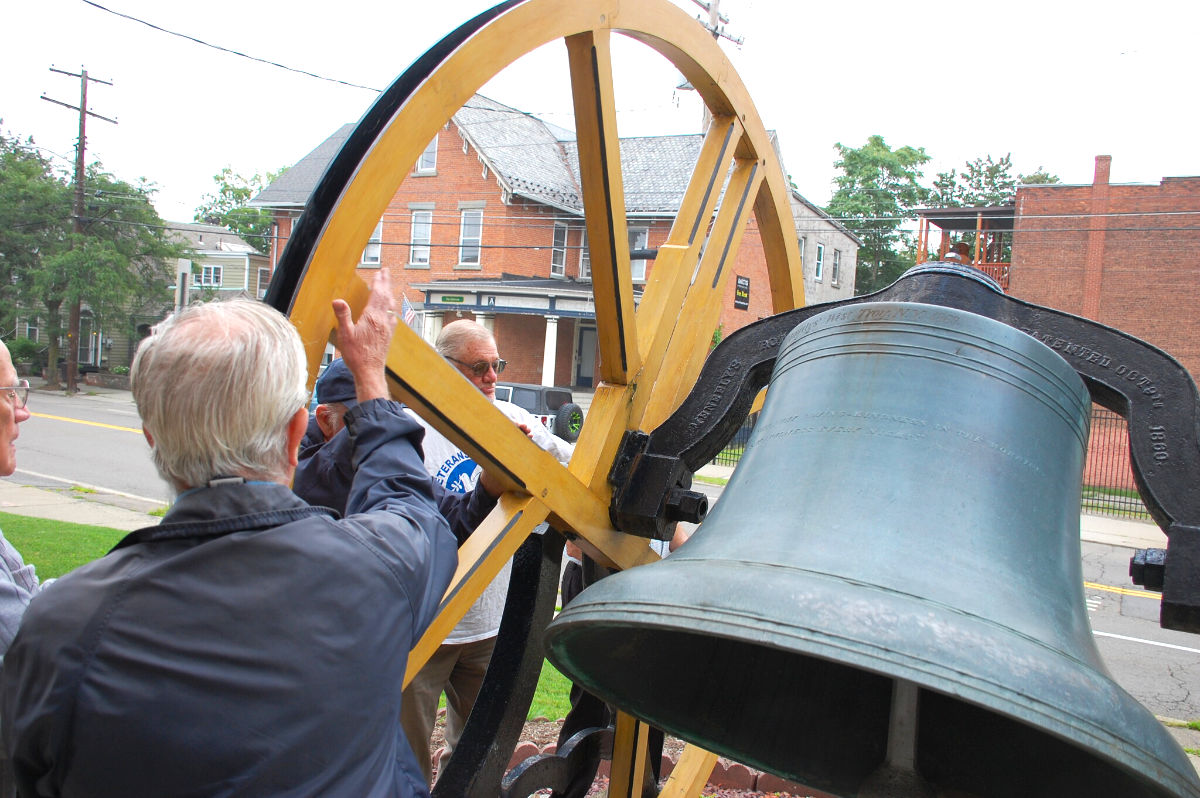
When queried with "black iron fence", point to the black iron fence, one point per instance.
{"points": [[1108, 486]]}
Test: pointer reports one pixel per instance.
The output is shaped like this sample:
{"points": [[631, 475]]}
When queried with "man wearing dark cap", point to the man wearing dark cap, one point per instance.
{"points": [[325, 471]]}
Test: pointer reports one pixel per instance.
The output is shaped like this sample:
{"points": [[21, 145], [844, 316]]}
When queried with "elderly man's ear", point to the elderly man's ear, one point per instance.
{"points": [[329, 419], [296, 428]]}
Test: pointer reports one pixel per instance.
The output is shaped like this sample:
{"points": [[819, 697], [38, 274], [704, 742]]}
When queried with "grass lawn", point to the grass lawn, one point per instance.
{"points": [[57, 547]]}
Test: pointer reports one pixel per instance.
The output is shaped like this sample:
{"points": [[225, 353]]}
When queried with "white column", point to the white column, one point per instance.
{"points": [[183, 277], [487, 320], [433, 326], [551, 351]]}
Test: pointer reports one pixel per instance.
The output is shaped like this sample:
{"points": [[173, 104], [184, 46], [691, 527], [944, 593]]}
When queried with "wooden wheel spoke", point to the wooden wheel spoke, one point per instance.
{"points": [[590, 58], [702, 307], [675, 266]]}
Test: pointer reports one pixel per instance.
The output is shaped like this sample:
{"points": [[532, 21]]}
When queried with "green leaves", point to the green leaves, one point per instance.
{"points": [[113, 259], [875, 195], [228, 207]]}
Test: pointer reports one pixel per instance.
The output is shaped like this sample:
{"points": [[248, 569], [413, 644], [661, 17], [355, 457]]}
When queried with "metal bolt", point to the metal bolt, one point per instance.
{"points": [[686, 505], [1146, 568]]}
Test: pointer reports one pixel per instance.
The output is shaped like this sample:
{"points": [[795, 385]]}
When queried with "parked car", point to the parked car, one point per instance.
{"points": [[554, 407]]}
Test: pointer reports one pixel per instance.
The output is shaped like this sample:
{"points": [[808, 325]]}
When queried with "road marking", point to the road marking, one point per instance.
{"points": [[88, 423], [99, 488], [1147, 642], [1124, 591]]}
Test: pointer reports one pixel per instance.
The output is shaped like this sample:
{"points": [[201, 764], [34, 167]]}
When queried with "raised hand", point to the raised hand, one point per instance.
{"points": [[364, 343]]}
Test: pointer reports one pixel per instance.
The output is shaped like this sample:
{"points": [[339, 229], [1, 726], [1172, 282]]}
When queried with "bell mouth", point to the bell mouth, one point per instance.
{"points": [[807, 695]]}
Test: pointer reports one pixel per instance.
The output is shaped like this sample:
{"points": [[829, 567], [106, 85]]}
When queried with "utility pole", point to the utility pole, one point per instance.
{"points": [[716, 26], [72, 358]]}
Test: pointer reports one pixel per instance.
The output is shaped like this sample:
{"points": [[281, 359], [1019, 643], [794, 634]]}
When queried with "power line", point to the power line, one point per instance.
{"points": [[228, 50]]}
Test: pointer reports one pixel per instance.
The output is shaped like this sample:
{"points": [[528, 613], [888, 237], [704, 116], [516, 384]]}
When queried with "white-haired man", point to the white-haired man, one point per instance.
{"points": [[458, 666], [18, 580], [250, 644]]}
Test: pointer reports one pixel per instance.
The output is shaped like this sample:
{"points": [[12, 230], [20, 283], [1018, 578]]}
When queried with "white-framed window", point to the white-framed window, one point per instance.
{"points": [[422, 236], [585, 258], [374, 248], [207, 276], [558, 251], [470, 237], [264, 279], [31, 328], [427, 163], [835, 272], [819, 263], [639, 237]]}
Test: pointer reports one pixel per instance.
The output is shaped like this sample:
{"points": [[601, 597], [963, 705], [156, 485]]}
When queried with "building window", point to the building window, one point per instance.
{"points": [[370, 255], [422, 234], [264, 279], [558, 251], [31, 329], [585, 258], [819, 263], [207, 276], [836, 271], [638, 238], [470, 235], [427, 163]]}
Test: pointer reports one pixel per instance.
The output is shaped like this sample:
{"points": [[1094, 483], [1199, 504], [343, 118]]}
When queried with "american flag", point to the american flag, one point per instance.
{"points": [[407, 313]]}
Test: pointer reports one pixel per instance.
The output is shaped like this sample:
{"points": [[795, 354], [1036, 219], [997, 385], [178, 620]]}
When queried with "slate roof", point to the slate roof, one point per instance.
{"points": [[216, 238], [525, 152], [532, 159], [655, 171]]}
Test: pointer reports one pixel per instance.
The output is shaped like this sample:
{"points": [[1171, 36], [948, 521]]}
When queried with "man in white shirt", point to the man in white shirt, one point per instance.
{"points": [[458, 666]]}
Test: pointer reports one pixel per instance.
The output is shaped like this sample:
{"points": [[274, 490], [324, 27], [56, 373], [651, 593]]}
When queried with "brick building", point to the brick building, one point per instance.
{"points": [[489, 225], [1127, 256]]}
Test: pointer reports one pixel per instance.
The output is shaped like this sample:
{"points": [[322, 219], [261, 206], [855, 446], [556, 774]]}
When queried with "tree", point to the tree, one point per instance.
{"points": [[35, 219], [1038, 178], [228, 207], [984, 182], [117, 264], [876, 192]]}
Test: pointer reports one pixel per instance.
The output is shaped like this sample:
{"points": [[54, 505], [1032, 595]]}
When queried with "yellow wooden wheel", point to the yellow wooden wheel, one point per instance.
{"points": [[649, 356]]}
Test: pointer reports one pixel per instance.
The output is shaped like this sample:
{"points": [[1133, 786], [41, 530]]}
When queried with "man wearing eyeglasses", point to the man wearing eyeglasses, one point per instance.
{"points": [[18, 581], [458, 666]]}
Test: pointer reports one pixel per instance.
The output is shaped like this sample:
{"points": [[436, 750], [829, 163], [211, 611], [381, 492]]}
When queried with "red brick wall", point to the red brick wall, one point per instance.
{"points": [[1145, 246]]}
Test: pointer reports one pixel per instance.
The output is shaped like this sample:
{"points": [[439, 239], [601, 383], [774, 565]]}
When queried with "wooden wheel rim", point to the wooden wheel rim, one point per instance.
{"points": [[649, 357]]}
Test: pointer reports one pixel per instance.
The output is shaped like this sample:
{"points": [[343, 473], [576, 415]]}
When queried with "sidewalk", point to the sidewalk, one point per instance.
{"points": [[57, 505]]}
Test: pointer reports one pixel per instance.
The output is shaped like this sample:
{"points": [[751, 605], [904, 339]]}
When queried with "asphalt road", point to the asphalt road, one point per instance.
{"points": [[89, 442], [95, 442]]}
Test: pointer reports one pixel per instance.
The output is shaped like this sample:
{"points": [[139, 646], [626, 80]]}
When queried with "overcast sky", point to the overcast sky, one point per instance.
{"points": [[1053, 83]]}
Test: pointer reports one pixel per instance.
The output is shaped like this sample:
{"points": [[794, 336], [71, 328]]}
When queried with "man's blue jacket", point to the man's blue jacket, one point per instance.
{"points": [[248, 645]]}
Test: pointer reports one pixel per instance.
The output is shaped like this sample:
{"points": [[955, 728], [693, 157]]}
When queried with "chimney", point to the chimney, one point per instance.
{"points": [[1103, 164]]}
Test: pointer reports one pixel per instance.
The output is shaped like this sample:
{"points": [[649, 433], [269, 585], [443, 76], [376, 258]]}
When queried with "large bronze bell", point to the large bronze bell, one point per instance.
{"points": [[887, 599]]}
